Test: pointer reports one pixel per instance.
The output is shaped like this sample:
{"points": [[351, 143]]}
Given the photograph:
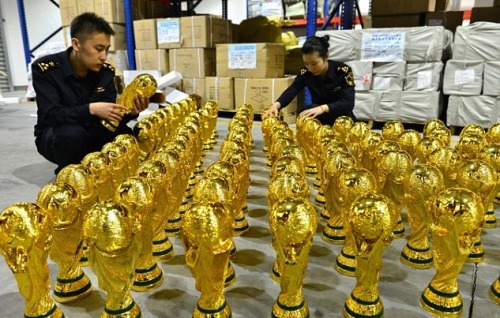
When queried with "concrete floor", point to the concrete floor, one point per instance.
{"points": [[23, 172]]}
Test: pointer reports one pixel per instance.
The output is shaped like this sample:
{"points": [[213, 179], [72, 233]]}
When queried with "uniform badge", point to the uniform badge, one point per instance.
{"points": [[303, 71], [46, 66], [337, 88], [109, 67], [349, 78], [99, 89]]}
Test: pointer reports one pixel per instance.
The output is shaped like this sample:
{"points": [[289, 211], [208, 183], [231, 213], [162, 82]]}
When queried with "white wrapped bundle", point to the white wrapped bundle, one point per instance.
{"points": [[423, 76], [419, 107], [463, 77], [362, 72], [477, 41], [481, 110]]}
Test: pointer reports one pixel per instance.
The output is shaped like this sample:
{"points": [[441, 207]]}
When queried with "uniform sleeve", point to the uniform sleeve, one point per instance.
{"points": [[345, 104], [51, 111], [292, 91]]}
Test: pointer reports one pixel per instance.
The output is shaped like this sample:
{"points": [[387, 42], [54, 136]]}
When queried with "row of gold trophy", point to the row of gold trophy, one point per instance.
{"points": [[364, 179], [113, 211]]}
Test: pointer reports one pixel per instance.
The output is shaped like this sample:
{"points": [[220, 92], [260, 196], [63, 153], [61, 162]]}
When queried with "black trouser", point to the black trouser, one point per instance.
{"points": [[68, 144]]}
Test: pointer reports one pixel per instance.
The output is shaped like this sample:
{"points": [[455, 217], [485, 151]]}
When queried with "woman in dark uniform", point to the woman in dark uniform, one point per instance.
{"points": [[331, 85]]}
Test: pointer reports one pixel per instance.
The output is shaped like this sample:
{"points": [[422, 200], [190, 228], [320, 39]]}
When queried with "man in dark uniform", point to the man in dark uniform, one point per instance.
{"points": [[74, 91], [330, 83]]}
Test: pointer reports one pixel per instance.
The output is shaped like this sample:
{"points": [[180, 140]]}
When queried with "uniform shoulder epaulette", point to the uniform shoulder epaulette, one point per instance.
{"points": [[108, 67], [303, 71], [47, 65], [343, 69]]}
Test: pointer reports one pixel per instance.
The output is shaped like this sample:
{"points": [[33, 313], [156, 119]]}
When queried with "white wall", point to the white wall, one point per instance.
{"points": [[42, 18]]}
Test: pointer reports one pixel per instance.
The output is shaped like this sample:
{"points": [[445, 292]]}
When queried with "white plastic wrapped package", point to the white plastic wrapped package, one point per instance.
{"points": [[388, 76], [423, 76], [477, 41], [419, 107], [481, 110], [344, 44], [364, 104], [389, 106], [362, 72], [491, 78], [463, 77]]}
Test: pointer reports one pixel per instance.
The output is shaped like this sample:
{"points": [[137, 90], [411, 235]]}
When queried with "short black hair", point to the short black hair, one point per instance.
{"points": [[88, 23], [317, 44]]}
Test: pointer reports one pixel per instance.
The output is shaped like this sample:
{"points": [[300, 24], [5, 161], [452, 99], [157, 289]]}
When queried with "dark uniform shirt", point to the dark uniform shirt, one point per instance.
{"points": [[336, 90], [63, 97]]}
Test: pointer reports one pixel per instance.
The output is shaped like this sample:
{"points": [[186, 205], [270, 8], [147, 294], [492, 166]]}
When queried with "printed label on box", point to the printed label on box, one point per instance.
{"points": [[464, 77], [242, 56], [424, 79], [168, 31], [382, 46]]}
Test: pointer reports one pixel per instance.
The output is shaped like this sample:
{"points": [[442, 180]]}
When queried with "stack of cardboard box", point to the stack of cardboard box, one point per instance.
{"points": [[412, 13]]}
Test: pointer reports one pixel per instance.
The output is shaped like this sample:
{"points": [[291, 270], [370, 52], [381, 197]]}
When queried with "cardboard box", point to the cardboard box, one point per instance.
{"points": [[221, 90], [110, 10], [117, 41], [391, 7], [154, 9], [156, 59], [463, 77], [477, 41], [399, 20], [449, 19], [251, 60], [195, 86], [69, 10], [485, 14], [145, 34], [204, 31], [423, 76], [119, 60], [196, 63], [480, 110], [262, 92], [362, 71], [491, 75], [85, 6], [168, 33]]}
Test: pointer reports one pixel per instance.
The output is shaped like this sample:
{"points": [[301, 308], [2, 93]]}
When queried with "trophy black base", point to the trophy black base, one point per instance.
{"points": [[282, 311], [440, 303], [417, 258], [358, 308], [71, 289], [147, 278]]}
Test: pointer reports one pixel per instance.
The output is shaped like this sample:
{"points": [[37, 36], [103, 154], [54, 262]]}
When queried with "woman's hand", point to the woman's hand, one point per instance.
{"points": [[315, 111], [273, 111]]}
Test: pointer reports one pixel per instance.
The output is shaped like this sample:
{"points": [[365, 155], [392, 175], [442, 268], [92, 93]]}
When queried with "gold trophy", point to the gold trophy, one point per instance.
{"points": [[433, 123], [136, 195], [25, 240], [443, 134], [495, 291], [267, 124], [325, 138], [425, 147], [217, 190], [473, 129], [293, 224], [470, 146], [491, 154], [117, 154], [479, 177], [372, 219], [357, 133], [352, 183], [99, 165], [145, 135], [368, 145], [82, 180], [392, 129], [155, 174], [392, 169], [60, 202], [447, 160], [111, 233], [144, 85], [306, 131], [207, 232], [408, 140], [420, 186], [287, 163], [457, 217], [340, 161], [342, 126], [131, 152]]}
